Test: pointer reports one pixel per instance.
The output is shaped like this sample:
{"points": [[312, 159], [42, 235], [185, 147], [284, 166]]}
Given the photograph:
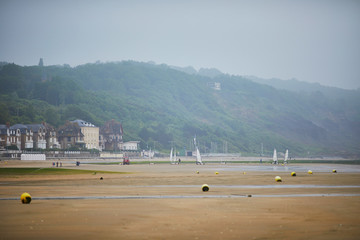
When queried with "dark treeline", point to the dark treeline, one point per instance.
{"points": [[160, 106]]}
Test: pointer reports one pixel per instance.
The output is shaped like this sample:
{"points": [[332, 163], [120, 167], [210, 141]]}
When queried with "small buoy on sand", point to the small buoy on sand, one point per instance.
{"points": [[278, 179], [293, 174], [310, 172], [334, 171], [197, 172], [25, 198], [205, 188], [244, 173], [216, 173]]}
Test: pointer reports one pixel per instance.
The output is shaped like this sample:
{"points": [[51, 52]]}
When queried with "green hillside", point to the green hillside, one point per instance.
{"points": [[158, 104]]}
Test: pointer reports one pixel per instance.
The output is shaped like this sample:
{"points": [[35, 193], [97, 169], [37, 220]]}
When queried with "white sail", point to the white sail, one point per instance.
{"points": [[275, 159], [171, 156], [198, 156], [286, 156]]}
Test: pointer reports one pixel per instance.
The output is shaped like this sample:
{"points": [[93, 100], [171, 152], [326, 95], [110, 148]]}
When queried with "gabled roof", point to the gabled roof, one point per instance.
{"points": [[35, 127], [82, 123], [22, 127], [111, 127], [48, 127], [18, 126], [69, 129]]}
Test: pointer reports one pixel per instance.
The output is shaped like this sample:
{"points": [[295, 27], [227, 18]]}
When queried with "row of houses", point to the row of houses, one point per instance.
{"points": [[73, 134]]}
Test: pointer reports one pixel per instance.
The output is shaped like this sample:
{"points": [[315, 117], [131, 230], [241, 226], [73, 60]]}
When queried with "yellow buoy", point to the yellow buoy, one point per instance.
{"points": [[205, 188], [216, 173], [309, 172], [278, 179], [244, 173], [293, 174], [197, 172], [25, 198], [334, 171]]}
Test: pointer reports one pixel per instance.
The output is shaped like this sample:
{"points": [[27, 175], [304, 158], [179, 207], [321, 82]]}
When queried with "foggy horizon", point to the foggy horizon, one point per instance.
{"points": [[311, 41]]}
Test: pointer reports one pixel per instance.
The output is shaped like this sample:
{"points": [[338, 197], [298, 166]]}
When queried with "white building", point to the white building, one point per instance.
{"points": [[130, 146], [90, 132]]}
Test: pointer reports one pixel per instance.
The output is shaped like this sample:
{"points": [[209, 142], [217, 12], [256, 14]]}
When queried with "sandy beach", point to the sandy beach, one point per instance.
{"points": [[163, 201]]}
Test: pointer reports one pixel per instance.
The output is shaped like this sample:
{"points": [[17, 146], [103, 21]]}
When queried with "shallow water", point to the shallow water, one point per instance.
{"points": [[293, 168]]}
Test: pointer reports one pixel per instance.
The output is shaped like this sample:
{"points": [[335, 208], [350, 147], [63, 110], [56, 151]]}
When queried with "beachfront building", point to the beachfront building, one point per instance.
{"points": [[39, 135], [111, 136], [4, 136], [90, 132], [130, 146], [21, 136], [77, 134], [15, 137], [51, 137], [69, 135], [28, 136]]}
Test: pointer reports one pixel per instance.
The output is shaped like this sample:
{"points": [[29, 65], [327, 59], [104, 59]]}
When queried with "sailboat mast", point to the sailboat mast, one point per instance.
{"points": [[171, 156], [286, 156]]}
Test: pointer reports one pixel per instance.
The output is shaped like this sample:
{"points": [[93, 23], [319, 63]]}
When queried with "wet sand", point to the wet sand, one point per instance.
{"points": [[226, 211]]}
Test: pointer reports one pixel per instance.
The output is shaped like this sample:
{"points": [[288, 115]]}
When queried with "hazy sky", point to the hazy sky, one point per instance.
{"points": [[311, 40]]}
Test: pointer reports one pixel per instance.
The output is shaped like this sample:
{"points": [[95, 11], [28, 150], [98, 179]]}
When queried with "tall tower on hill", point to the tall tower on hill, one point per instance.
{"points": [[41, 62], [43, 73]]}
